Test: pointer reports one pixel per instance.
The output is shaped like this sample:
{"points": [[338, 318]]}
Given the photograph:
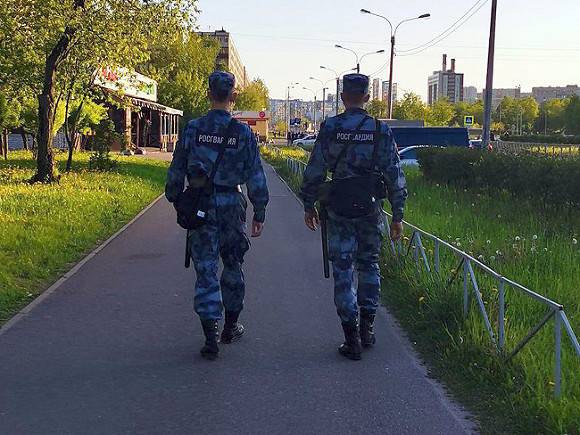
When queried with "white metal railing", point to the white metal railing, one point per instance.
{"points": [[469, 264], [559, 150]]}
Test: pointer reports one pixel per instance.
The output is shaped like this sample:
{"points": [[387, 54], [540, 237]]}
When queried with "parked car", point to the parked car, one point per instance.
{"points": [[408, 155], [305, 141], [477, 144]]}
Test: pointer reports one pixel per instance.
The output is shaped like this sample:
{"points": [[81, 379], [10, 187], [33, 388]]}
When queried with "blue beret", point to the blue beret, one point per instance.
{"points": [[355, 83], [222, 81]]}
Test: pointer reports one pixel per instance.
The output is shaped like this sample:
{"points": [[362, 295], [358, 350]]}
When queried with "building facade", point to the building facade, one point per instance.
{"points": [[385, 91], [446, 84], [376, 89], [228, 57], [470, 94], [499, 94], [546, 93]]}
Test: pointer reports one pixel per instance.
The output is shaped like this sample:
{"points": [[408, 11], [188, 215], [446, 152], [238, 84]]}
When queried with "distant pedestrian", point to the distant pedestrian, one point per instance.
{"points": [[360, 153], [218, 145]]}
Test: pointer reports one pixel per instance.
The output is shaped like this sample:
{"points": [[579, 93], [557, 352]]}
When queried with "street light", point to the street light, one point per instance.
{"points": [[393, 36], [291, 85], [337, 81], [314, 93], [358, 59], [324, 88]]}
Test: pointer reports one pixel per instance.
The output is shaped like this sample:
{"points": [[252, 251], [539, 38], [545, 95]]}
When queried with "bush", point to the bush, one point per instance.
{"points": [[105, 135], [549, 182], [550, 139]]}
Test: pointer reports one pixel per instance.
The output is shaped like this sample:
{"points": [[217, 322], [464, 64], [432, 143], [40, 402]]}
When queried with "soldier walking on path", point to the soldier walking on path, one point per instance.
{"points": [[217, 154], [360, 153]]}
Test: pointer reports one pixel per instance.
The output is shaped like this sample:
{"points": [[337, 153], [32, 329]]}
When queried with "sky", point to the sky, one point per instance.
{"points": [[282, 42]]}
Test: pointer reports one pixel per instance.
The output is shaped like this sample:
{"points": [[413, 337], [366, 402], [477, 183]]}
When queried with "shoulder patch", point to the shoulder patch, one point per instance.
{"points": [[215, 140]]}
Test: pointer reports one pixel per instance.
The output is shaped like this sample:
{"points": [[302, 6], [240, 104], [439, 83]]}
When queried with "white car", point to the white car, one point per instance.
{"points": [[305, 141], [408, 156]]}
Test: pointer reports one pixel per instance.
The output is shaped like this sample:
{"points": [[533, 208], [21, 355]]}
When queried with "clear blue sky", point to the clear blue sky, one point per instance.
{"points": [[279, 41]]}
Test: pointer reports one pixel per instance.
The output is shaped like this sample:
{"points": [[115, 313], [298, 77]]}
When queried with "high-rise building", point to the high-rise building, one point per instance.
{"points": [[228, 57], [546, 93], [446, 84], [376, 89], [499, 94], [385, 91], [470, 94]]}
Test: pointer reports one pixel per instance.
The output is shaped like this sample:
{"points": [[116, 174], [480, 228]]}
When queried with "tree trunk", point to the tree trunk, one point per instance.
{"points": [[45, 172], [5, 143], [24, 138]]}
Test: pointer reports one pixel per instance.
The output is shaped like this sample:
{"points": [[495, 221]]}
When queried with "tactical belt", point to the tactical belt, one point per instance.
{"points": [[227, 189]]}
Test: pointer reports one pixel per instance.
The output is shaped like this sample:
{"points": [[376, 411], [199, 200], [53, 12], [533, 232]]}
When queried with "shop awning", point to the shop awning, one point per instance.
{"points": [[156, 106]]}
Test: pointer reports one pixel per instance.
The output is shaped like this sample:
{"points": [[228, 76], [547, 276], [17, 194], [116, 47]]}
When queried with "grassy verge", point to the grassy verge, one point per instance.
{"points": [[518, 242], [44, 229]]}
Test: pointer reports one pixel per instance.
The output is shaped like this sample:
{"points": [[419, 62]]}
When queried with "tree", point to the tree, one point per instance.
{"points": [[440, 113], [572, 115], [464, 108], [411, 107], [60, 44], [516, 113], [181, 66], [9, 119], [377, 108], [253, 97]]}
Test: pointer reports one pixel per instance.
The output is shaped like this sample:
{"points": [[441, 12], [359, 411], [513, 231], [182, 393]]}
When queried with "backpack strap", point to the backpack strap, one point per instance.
{"points": [[346, 145]]}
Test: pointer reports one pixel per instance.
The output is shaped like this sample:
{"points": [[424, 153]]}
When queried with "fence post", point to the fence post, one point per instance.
{"points": [[558, 340], [501, 314], [465, 290], [437, 255]]}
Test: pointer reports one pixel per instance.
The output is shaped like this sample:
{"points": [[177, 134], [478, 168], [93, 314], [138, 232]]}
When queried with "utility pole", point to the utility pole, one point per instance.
{"points": [[489, 81], [390, 102]]}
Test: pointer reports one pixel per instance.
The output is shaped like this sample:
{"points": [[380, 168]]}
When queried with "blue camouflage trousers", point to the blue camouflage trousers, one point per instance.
{"points": [[356, 244], [222, 236]]}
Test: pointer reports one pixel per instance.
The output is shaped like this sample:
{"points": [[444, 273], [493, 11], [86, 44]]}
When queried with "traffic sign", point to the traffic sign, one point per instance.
{"points": [[468, 121], [262, 115]]}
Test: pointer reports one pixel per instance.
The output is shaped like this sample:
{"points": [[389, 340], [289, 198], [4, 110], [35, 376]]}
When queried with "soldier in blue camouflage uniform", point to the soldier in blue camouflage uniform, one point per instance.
{"points": [[224, 233], [355, 242]]}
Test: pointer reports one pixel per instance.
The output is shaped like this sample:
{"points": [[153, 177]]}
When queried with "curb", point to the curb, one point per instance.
{"points": [[49, 291]]}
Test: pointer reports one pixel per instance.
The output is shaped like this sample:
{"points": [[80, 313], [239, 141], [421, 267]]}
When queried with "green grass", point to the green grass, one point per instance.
{"points": [[44, 229], [522, 244]]}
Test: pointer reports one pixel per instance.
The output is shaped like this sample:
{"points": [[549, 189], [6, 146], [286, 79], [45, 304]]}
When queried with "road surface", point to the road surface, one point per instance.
{"points": [[115, 350]]}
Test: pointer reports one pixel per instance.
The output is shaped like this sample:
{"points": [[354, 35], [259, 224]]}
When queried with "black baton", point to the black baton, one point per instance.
{"points": [[324, 235], [187, 251]]}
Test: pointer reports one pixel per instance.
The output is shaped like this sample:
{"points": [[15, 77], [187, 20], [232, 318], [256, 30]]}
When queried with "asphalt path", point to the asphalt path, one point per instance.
{"points": [[115, 349]]}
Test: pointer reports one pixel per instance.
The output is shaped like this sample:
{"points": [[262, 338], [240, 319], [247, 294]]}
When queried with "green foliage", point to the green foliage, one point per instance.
{"points": [[440, 113], [182, 64], [105, 135], [9, 112], [411, 107], [517, 112], [550, 139], [572, 115], [46, 228], [464, 108], [553, 183], [87, 114], [253, 97], [377, 108]]}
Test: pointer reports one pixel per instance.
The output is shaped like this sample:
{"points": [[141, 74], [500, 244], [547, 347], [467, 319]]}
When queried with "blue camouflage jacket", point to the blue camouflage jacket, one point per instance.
{"points": [[354, 128], [198, 149]]}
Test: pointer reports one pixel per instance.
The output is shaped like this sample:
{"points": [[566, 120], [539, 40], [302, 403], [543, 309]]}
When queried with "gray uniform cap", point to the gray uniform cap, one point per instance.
{"points": [[355, 84], [222, 82]]}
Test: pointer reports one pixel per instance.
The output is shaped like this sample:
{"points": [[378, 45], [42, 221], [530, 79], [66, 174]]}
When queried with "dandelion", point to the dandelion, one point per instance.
{"points": [[518, 238], [472, 204], [499, 216], [459, 244], [492, 258], [457, 239], [480, 258], [437, 185], [574, 241], [498, 252], [534, 237], [488, 242], [422, 298], [545, 249]]}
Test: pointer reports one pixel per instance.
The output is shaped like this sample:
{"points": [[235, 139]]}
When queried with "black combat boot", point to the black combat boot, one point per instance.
{"points": [[233, 330], [367, 333], [210, 350], [351, 348]]}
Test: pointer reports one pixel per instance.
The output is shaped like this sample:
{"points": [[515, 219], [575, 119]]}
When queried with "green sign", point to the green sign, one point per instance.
{"points": [[468, 121]]}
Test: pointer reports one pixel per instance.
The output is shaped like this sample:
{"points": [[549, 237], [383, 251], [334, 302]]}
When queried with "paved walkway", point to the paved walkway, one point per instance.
{"points": [[115, 349]]}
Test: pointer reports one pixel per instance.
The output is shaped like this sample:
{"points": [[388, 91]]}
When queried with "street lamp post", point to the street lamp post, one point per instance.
{"points": [[393, 37], [314, 115], [358, 59], [290, 86], [489, 80], [337, 81], [324, 89]]}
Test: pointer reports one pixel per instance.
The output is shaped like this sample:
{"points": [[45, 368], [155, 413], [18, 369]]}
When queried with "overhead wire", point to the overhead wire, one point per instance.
{"points": [[446, 33]]}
